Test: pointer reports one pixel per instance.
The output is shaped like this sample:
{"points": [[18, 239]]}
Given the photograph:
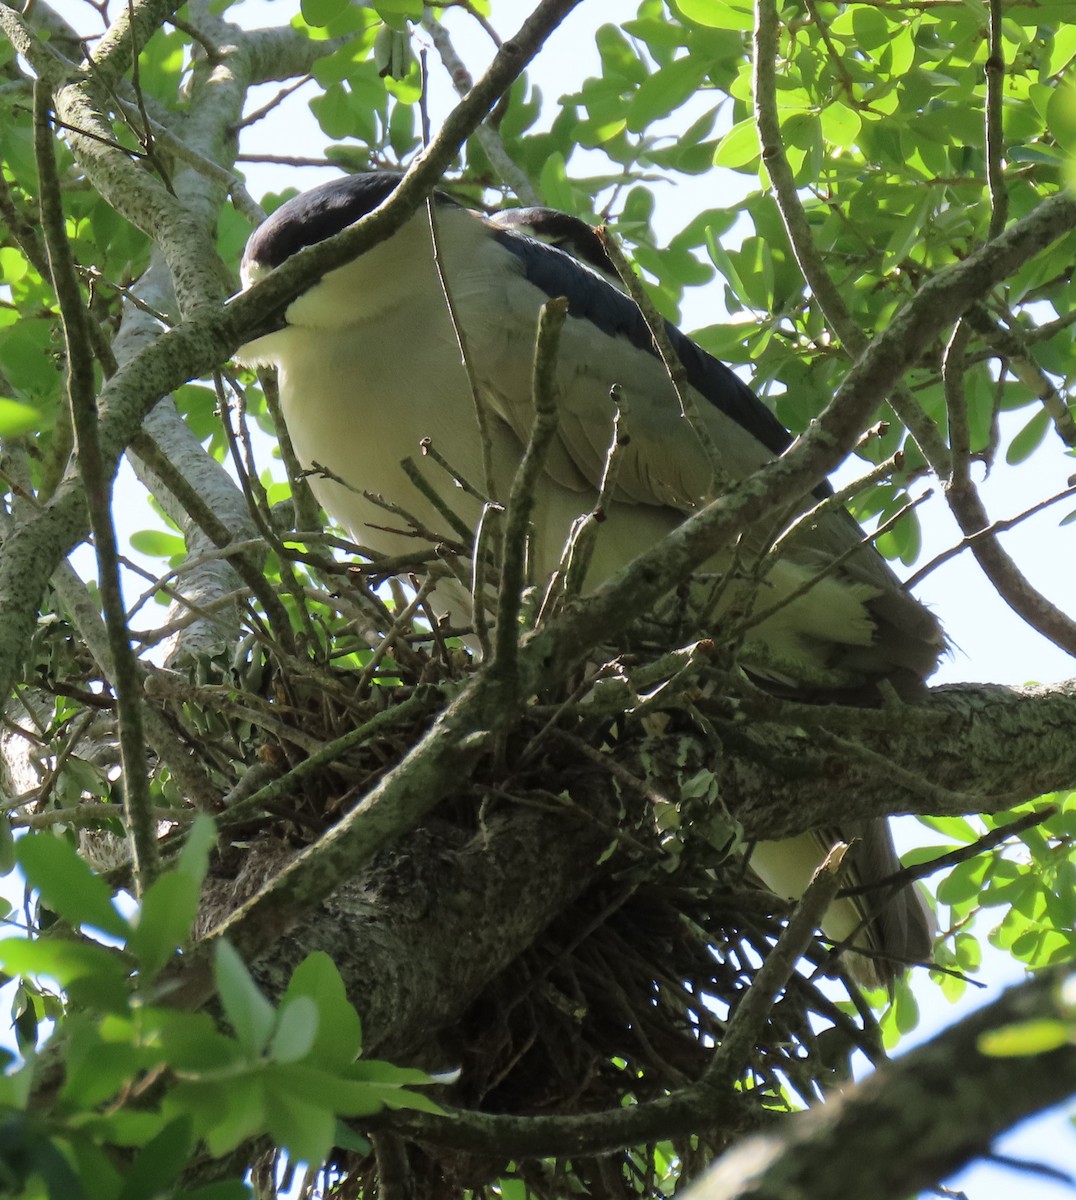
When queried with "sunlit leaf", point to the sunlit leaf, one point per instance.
{"points": [[251, 1016], [17, 418], [67, 885], [1027, 1038]]}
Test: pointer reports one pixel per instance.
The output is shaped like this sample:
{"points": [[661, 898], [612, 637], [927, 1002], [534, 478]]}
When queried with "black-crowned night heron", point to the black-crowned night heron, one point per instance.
{"points": [[369, 365]]}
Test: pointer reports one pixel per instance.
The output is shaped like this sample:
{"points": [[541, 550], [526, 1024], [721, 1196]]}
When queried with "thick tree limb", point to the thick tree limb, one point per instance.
{"points": [[915, 1121], [955, 752], [964, 734]]}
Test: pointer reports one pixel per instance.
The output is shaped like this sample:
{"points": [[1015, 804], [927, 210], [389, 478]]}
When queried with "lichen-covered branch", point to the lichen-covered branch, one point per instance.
{"points": [[914, 1122], [97, 482]]}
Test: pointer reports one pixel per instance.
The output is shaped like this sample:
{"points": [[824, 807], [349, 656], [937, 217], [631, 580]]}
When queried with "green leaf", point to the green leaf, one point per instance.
{"points": [[16, 1086], [344, 1096], [334, 113], [317, 13], [964, 882], [102, 1070], [96, 1171], [156, 543], [664, 91], [870, 26], [61, 960], [160, 1161], [297, 1026], [714, 14], [250, 1015], [411, 9], [30, 1152], [1028, 440], [1061, 116], [7, 846], [1027, 1038], [67, 885], [191, 1041], [957, 828], [225, 1114], [17, 418], [164, 921], [194, 857], [303, 1127], [739, 147], [13, 265], [840, 124], [227, 1189], [338, 1038], [376, 1070], [905, 1008], [618, 55]]}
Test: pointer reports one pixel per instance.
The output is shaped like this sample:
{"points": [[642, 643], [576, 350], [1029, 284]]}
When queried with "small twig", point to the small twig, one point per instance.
{"points": [[111, 143], [326, 755], [488, 137], [218, 533], [195, 612], [145, 135], [79, 727], [995, 135], [719, 476], [196, 35], [1030, 1167], [1049, 329], [306, 506], [244, 203], [834, 564], [995, 527], [258, 506], [521, 502], [1010, 344], [395, 1180], [923, 870], [429, 450], [847, 83], [458, 524], [796, 225], [129, 295], [752, 1012], [220, 699], [838, 500], [485, 552], [584, 534], [1012, 586], [480, 412], [956, 407], [472, 11], [254, 117], [82, 399], [608, 763], [403, 619], [288, 160], [82, 815], [415, 529]]}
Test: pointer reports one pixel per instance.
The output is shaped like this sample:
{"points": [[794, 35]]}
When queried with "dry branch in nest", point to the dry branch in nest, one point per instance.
{"points": [[624, 992], [605, 800]]}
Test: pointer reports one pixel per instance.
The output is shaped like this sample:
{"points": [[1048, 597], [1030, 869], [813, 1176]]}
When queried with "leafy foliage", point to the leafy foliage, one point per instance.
{"points": [[143, 1085]]}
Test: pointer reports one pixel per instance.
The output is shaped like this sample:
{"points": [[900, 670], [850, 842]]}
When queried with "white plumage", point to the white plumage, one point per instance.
{"points": [[369, 365]]}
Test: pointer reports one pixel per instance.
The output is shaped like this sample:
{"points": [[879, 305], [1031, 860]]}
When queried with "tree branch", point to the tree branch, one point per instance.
{"points": [[916, 1120], [97, 481]]}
